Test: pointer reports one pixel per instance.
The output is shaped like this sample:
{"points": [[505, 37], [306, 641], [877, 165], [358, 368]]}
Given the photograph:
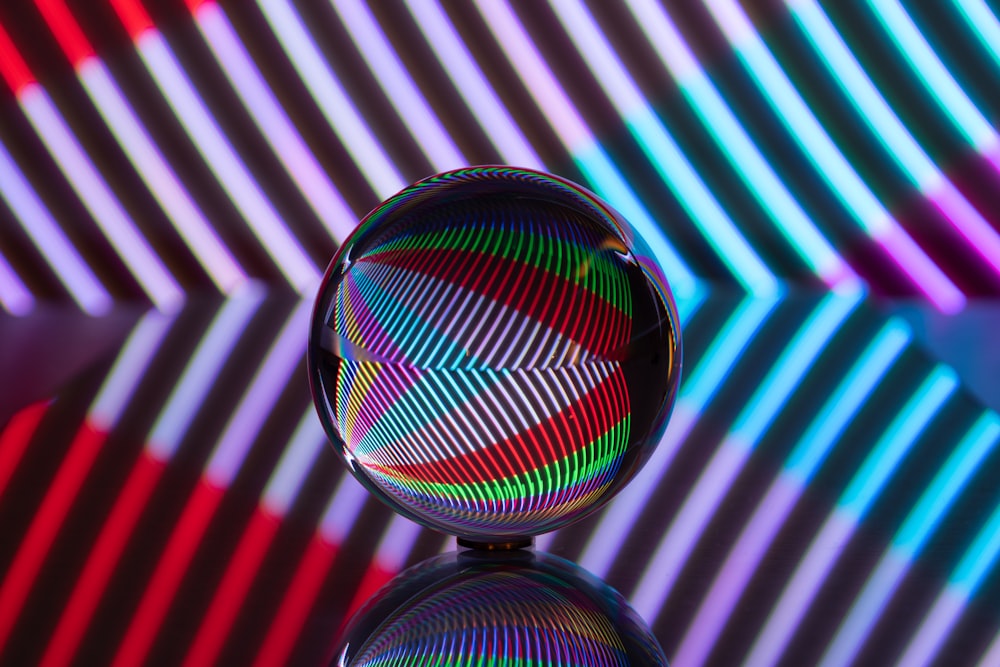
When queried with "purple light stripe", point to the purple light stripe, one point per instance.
{"points": [[341, 513], [128, 369], [95, 195], [221, 158], [991, 656], [295, 464], [13, 294], [396, 83], [201, 371], [331, 98], [273, 122], [198, 234], [82, 285], [270, 380], [470, 83], [926, 641]]}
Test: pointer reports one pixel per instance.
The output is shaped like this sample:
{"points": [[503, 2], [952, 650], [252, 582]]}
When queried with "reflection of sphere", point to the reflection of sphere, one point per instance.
{"points": [[494, 353], [515, 608]]}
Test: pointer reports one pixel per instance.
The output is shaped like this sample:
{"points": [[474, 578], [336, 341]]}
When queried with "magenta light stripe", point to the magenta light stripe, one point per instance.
{"points": [[206, 136], [295, 464], [13, 294], [81, 283], [198, 234], [95, 195], [396, 83], [330, 97], [273, 122], [473, 87], [266, 386], [196, 379]]}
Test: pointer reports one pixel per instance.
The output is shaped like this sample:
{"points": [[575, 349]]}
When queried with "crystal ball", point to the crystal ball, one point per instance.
{"points": [[509, 608], [494, 352]]}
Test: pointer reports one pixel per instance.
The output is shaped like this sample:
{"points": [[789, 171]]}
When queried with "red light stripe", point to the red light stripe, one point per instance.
{"points": [[102, 561], [133, 17], [232, 590], [298, 601], [66, 30], [375, 578], [15, 438], [169, 572], [12, 65], [45, 525]]}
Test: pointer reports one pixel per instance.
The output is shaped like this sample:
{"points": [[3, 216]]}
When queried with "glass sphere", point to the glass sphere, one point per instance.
{"points": [[512, 608], [494, 352]]}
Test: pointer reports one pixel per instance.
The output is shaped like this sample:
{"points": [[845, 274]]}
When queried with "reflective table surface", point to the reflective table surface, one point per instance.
{"points": [[826, 492]]}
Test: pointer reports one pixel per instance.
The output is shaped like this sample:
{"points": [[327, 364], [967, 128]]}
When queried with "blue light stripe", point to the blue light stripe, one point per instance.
{"points": [[894, 444], [788, 370], [845, 401]]}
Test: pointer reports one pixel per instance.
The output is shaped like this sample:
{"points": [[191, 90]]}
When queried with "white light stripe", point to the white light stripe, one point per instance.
{"points": [[716, 227], [984, 23], [396, 83], [229, 170], [255, 406], [884, 123], [295, 464], [576, 137], [14, 296], [202, 370], [934, 75], [738, 147], [95, 195], [74, 274], [926, 640], [128, 369], [198, 234], [329, 95], [396, 544], [820, 149], [273, 122], [470, 83]]}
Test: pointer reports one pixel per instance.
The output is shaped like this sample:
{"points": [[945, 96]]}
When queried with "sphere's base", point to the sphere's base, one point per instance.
{"points": [[511, 544]]}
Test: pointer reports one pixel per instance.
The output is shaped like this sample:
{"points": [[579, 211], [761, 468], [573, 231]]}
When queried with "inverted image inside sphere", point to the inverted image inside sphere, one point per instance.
{"points": [[493, 352]]}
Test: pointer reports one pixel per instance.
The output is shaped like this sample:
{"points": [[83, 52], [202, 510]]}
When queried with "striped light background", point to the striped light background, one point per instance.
{"points": [[827, 488]]}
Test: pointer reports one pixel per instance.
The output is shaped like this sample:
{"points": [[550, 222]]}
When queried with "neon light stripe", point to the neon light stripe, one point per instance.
{"points": [[921, 522], [663, 152], [698, 389], [12, 65], [14, 295], [273, 123], [674, 548], [888, 129], [739, 149], [829, 162], [413, 109], [984, 23], [270, 379], [76, 463], [170, 569], [74, 274], [771, 512], [339, 517], [934, 75], [207, 359], [102, 561], [330, 97], [95, 195], [294, 465], [14, 439], [862, 490], [471, 85], [212, 144], [576, 137]]}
